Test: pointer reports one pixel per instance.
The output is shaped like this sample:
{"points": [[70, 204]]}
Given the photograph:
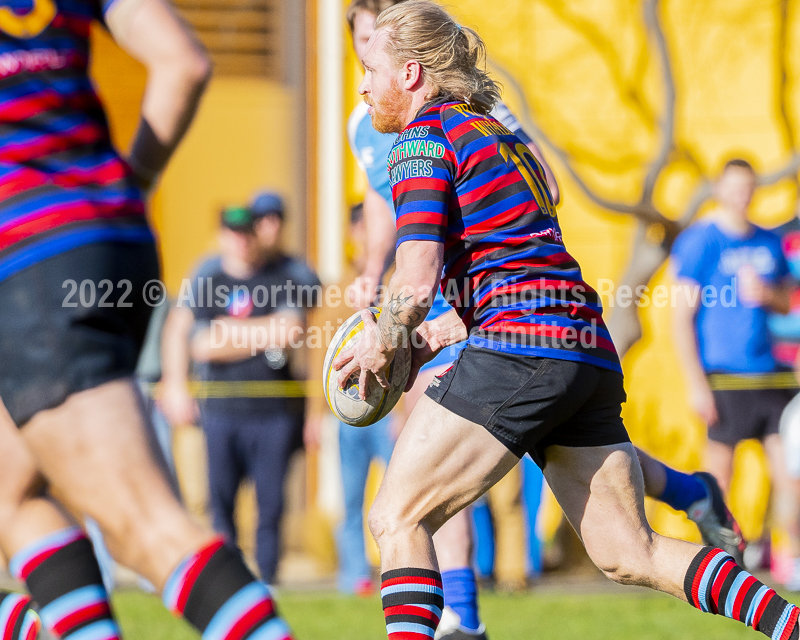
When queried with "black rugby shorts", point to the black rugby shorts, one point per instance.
{"points": [[748, 413], [50, 349], [531, 403]]}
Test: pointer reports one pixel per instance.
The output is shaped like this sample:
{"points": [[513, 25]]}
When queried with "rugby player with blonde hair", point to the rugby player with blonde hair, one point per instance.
{"points": [[461, 619], [540, 374]]}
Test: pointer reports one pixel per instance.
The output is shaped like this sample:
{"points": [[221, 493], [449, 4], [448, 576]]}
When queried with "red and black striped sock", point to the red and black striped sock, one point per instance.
{"points": [[17, 620], [413, 600], [716, 584], [64, 579], [214, 591]]}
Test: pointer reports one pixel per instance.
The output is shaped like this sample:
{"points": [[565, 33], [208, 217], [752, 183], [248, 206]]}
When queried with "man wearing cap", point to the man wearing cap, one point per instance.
{"points": [[238, 321]]}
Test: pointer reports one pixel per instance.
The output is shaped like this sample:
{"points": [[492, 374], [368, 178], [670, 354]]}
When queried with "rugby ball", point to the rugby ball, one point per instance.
{"points": [[345, 403]]}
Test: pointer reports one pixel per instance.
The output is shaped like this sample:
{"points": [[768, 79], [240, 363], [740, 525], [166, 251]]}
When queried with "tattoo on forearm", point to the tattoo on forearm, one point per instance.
{"points": [[400, 316]]}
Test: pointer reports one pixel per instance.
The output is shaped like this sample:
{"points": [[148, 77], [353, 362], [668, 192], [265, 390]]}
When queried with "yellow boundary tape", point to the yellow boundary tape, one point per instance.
{"points": [[255, 389], [741, 382], [312, 389]]}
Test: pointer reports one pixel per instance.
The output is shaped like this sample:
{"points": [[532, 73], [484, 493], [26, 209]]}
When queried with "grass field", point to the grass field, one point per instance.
{"points": [[607, 616]]}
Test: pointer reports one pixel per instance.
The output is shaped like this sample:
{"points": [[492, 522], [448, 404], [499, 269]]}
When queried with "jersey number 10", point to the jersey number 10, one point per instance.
{"points": [[525, 162]]}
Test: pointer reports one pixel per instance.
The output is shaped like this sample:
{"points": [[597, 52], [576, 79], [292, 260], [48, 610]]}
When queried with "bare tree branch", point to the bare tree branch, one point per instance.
{"points": [[653, 22], [701, 193], [643, 211], [789, 170], [629, 91], [782, 53], [649, 253]]}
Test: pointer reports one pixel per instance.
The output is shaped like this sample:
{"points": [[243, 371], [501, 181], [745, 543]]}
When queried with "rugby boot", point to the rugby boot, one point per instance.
{"points": [[716, 523]]}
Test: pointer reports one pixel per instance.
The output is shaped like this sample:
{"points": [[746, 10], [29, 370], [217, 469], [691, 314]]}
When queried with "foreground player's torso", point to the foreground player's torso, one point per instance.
{"points": [[62, 183]]}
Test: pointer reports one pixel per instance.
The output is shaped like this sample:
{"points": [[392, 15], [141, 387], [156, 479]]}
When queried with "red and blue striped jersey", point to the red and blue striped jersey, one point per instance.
{"points": [[464, 180], [62, 184]]}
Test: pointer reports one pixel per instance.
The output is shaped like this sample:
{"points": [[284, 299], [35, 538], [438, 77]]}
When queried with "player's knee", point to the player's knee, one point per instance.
{"points": [[18, 484], [379, 521], [387, 522]]}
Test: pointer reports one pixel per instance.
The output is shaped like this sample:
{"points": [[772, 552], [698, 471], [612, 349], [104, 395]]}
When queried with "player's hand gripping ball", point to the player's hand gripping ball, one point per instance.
{"points": [[346, 403]]}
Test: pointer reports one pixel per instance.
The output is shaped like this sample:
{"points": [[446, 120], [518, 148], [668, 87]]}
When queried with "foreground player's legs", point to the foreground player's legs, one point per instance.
{"points": [[601, 492], [433, 474], [47, 552], [453, 546], [436, 471], [94, 451]]}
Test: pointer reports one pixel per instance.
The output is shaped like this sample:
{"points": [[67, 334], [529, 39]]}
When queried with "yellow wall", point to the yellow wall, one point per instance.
{"points": [[248, 134]]}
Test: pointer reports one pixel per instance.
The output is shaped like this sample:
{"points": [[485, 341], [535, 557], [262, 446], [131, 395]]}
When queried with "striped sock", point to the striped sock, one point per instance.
{"points": [[412, 603], [17, 620], [214, 591], [716, 584], [63, 577]]}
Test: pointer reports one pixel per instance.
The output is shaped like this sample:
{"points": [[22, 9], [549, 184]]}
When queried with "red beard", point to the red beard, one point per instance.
{"points": [[388, 112]]}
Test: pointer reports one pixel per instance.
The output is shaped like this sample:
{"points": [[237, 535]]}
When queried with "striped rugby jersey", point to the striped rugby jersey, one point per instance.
{"points": [[466, 181], [62, 185]]}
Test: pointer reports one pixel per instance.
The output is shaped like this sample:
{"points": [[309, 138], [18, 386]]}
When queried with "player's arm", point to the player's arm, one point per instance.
{"points": [[409, 298], [233, 340], [175, 397], [431, 337], [692, 265], [411, 292], [380, 241], [757, 292], [178, 69], [442, 332], [421, 188]]}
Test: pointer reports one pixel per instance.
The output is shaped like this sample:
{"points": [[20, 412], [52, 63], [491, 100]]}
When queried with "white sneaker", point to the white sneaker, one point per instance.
{"points": [[450, 628]]}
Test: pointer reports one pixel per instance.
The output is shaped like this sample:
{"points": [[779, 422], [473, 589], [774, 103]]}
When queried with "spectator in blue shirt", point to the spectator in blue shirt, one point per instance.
{"points": [[733, 276]]}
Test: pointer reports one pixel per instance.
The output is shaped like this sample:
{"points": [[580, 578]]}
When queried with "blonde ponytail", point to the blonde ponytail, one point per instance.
{"points": [[453, 58]]}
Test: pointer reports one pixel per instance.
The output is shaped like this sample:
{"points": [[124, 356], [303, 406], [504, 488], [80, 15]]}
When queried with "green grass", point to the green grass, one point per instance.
{"points": [[327, 616]]}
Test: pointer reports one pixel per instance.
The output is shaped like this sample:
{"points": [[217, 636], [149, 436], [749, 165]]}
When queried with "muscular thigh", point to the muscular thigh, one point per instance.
{"points": [[95, 452], [441, 463], [601, 491], [529, 403]]}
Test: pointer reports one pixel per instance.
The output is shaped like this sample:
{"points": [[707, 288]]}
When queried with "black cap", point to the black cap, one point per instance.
{"points": [[238, 218]]}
